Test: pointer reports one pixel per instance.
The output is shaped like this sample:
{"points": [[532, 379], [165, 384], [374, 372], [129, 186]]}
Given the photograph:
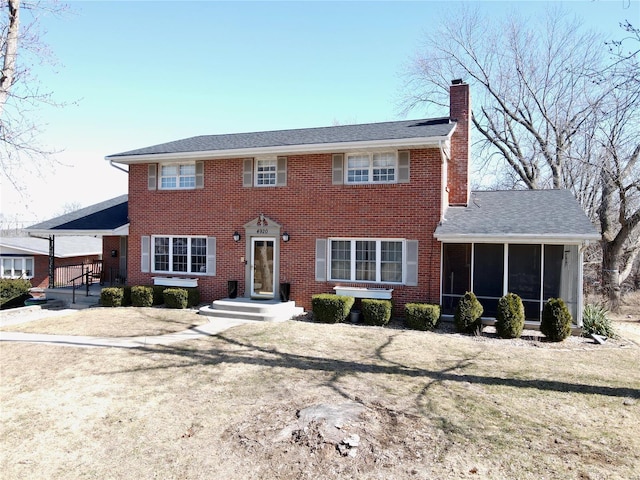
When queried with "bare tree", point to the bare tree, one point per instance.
{"points": [[20, 92], [552, 107]]}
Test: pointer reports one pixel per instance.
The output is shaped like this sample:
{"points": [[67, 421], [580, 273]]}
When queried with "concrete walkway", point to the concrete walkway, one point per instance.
{"points": [[207, 329]]}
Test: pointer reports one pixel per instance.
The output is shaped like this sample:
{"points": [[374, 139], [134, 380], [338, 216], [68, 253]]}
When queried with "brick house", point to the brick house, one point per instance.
{"points": [[380, 210]]}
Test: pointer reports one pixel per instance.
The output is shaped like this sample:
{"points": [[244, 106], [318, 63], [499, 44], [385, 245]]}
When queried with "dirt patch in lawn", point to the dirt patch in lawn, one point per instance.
{"points": [[433, 405], [114, 322]]}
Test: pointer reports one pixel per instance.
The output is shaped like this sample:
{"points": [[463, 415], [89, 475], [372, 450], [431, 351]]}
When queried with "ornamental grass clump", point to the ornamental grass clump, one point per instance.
{"points": [[376, 312], [595, 320], [556, 320], [510, 316], [329, 308], [421, 316], [468, 313]]}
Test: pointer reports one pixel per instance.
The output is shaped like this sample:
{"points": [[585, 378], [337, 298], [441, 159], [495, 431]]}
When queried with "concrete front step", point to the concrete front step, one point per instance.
{"points": [[248, 309]]}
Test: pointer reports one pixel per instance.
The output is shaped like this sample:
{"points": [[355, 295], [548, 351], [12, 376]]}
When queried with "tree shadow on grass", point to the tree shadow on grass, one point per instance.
{"points": [[248, 353]]}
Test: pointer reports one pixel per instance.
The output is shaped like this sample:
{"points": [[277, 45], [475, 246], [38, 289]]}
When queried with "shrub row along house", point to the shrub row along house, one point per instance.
{"points": [[379, 210]]}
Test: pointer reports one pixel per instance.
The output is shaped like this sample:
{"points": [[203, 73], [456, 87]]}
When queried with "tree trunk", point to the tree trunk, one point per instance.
{"points": [[10, 52], [611, 274]]}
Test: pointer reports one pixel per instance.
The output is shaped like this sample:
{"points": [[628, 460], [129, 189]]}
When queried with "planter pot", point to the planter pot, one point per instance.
{"points": [[232, 288], [354, 316], [285, 290]]}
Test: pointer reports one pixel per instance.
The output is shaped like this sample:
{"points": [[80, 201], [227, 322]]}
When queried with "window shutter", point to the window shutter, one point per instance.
{"points": [[145, 257], [281, 176], [338, 169], [412, 263], [199, 174], [403, 166], [247, 172], [211, 256], [152, 176], [321, 260]]}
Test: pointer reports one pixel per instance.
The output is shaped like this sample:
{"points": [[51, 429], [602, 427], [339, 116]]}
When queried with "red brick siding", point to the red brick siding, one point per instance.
{"points": [[309, 207], [110, 265]]}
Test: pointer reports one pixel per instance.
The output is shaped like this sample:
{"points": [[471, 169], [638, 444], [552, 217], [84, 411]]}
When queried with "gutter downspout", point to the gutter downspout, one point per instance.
{"points": [[444, 180], [118, 167], [581, 250]]}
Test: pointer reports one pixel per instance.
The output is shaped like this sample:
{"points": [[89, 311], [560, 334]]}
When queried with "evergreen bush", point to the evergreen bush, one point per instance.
{"points": [[421, 316], [510, 316], [468, 313], [176, 297], [595, 320], [141, 296], [126, 296], [556, 320], [158, 294], [111, 296], [193, 296], [330, 308], [376, 312], [13, 289]]}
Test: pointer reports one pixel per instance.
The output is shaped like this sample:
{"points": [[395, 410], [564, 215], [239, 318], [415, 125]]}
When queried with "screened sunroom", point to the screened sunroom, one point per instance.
{"points": [[529, 243]]}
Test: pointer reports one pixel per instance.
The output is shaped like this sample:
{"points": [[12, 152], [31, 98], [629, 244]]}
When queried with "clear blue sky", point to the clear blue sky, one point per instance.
{"points": [[142, 73]]}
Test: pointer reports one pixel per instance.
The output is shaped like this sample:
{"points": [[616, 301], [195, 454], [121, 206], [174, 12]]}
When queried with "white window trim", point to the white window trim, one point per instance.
{"points": [[370, 154], [24, 263], [171, 237], [378, 241], [256, 173], [177, 176]]}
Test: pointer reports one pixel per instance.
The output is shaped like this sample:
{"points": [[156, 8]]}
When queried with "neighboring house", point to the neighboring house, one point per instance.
{"points": [[379, 210], [28, 257], [106, 222]]}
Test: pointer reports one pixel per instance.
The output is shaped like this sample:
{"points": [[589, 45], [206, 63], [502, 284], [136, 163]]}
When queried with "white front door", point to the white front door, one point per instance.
{"points": [[263, 268]]}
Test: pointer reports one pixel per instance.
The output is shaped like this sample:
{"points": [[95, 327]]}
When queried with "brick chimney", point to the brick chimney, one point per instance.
{"points": [[459, 162]]}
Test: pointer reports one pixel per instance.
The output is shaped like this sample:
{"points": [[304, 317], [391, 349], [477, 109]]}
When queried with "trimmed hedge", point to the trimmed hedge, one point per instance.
{"points": [[12, 289], [510, 316], [556, 320], [193, 296], [158, 294], [421, 316], [126, 296], [175, 297], [111, 296], [330, 308], [141, 296], [468, 313], [376, 312]]}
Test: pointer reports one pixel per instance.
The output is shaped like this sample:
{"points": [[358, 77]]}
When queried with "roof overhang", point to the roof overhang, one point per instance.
{"points": [[421, 142], [517, 238], [119, 231]]}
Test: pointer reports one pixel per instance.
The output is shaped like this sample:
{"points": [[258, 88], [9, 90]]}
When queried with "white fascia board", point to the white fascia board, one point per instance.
{"points": [[14, 250], [282, 150], [120, 231], [517, 238]]}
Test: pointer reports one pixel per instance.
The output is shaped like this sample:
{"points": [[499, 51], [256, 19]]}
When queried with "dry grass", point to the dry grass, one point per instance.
{"points": [[438, 406], [114, 322]]}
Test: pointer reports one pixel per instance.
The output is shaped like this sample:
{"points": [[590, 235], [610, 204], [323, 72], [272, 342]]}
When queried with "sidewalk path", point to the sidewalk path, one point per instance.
{"points": [[211, 328]]}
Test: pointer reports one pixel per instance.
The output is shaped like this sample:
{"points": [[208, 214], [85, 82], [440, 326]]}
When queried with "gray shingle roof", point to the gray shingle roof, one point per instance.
{"points": [[406, 129], [103, 216], [518, 213]]}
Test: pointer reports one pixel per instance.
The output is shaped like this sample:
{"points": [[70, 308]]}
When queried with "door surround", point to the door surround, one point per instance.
{"points": [[262, 227]]}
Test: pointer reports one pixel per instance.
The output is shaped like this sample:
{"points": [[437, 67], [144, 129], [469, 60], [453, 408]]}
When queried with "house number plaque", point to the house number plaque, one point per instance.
{"points": [[262, 231]]}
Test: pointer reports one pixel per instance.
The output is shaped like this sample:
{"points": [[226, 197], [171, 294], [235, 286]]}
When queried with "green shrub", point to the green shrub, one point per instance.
{"points": [[158, 294], [176, 298], [11, 289], [556, 320], [376, 312], [421, 316], [595, 319], [193, 298], [468, 313], [141, 296], [111, 296], [510, 316], [330, 308]]}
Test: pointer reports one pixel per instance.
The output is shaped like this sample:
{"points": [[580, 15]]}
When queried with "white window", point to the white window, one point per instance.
{"points": [[366, 260], [17, 267], [178, 176], [371, 167], [180, 254], [266, 172]]}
